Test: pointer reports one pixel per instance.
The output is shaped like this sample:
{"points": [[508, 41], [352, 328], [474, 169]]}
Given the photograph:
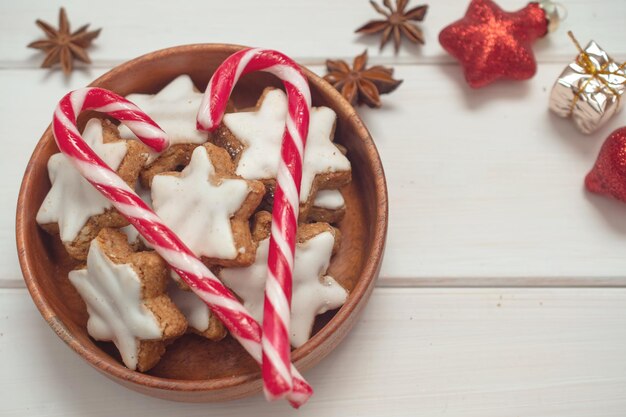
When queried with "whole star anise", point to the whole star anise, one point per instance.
{"points": [[62, 45], [397, 22], [360, 84]]}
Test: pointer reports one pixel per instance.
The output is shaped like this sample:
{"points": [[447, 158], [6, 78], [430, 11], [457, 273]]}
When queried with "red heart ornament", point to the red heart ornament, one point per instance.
{"points": [[608, 176]]}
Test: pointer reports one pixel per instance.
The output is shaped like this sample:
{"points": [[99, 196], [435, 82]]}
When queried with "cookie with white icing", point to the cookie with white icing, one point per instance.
{"points": [[174, 158], [328, 206], [73, 208], [199, 317], [253, 139], [208, 207], [124, 292], [174, 109], [314, 292]]}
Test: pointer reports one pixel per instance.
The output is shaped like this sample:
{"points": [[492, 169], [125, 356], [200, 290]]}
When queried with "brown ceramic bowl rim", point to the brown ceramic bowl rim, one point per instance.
{"points": [[364, 283]]}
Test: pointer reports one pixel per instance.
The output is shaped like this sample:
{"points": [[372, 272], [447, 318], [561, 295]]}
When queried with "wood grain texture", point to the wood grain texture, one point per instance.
{"points": [[290, 26], [428, 352]]}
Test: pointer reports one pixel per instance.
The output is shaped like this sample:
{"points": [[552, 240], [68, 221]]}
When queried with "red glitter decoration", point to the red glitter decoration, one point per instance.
{"points": [[608, 176], [493, 44]]}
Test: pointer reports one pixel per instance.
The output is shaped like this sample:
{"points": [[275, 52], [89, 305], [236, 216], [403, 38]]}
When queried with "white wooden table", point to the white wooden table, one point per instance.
{"points": [[485, 191]]}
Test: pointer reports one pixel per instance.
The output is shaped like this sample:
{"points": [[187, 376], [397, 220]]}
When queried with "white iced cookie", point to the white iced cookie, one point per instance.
{"points": [[313, 292], [321, 155], [73, 208], [124, 294], [199, 317], [329, 200], [260, 133], [71, 200], [174, 109], [207, 209], [328, 206]]}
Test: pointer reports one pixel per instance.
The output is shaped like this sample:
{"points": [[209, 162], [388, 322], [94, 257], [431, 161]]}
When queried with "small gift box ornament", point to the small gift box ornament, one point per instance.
{"points": [[589, 90]]}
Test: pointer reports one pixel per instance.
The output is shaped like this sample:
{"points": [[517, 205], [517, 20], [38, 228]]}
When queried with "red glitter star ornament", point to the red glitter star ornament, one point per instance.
{"points": [[492, 44], [608, 176]]}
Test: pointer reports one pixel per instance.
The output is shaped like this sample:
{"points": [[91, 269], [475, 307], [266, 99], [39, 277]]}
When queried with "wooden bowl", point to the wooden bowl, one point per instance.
{"points": [[195, 369]]}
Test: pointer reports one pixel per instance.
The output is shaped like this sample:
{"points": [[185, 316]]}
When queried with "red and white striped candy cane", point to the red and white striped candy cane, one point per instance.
{"points": [[277, 377], [199, 278]]}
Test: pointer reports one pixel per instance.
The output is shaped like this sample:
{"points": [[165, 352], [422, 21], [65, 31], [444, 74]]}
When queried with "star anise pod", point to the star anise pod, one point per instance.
{"points": [[397, 22], [360, 84], [62, 45]]}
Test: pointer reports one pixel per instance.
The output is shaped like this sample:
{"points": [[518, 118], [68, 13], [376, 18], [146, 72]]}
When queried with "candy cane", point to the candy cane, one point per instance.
{"points": [[276, 312], [199, 278]]}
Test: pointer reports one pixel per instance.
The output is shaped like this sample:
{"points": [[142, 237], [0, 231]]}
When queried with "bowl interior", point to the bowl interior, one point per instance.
{"points": [[192, 362]]}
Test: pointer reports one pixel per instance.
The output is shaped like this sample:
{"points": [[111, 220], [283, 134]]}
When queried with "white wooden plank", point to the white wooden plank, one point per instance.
{"points": [[485, 186], [427, 352], [311, 31]]}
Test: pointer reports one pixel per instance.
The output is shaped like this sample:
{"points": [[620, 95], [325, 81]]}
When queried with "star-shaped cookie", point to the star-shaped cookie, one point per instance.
{"points": [[174, 109], [208, 207], [253, 138], [313, 293], [491, 44], [199, 317], [328, 206], [73, 208], [125, 296]]}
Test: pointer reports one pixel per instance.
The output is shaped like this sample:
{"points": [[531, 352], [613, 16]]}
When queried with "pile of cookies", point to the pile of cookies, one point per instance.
{"points": [[215, 192]]}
